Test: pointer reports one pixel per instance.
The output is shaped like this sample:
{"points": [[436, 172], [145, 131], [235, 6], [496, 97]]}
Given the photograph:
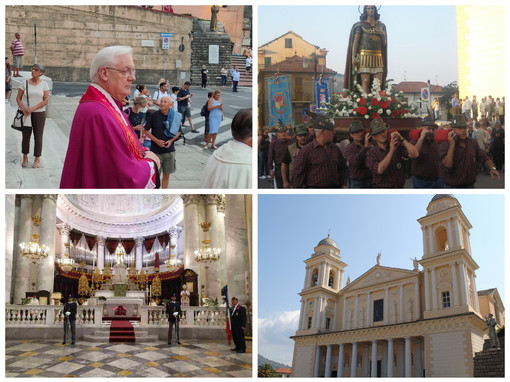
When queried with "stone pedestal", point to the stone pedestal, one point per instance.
{"points": [[204, 42]]}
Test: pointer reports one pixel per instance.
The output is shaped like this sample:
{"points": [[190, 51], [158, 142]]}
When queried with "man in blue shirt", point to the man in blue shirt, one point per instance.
{"points": [[183, 103]]}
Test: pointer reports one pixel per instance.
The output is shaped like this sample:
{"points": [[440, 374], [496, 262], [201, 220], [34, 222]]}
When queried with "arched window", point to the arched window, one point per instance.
{"points": [[315, 277], [331, 279], [441, 239]]}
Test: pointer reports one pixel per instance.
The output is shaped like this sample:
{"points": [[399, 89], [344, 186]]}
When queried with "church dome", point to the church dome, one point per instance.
{"points": [[328, 241], [442, 196]]}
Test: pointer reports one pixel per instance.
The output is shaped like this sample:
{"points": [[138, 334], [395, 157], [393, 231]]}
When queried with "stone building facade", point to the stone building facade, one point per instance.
{"points": [[393, 322]]}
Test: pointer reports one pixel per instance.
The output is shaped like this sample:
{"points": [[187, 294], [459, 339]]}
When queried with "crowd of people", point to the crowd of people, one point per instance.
{"points": [[119, 142], [447, 156]]}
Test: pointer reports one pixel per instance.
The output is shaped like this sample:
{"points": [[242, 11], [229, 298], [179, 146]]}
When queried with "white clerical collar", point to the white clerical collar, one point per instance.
{"points": [[110, 99]]}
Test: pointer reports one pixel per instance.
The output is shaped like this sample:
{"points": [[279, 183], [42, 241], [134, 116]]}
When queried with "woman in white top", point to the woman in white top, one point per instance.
{"points": [[33, 96]]}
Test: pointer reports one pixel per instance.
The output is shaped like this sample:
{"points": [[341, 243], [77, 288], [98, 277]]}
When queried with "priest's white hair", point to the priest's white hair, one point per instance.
{"points": [[107, 57]]}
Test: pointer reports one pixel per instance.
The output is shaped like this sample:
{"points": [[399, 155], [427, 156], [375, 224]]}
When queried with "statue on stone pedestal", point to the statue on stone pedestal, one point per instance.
{"points": [[379, 258], [493, 337], [415, 264], [214, 18], [185, 296]]}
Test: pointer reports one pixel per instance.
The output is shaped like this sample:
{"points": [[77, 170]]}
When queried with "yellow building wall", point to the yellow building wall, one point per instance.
{"points": [[278, 52], [481, 51]]}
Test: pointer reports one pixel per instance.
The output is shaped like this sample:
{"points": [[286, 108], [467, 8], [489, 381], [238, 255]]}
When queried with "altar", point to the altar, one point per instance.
{"points": [[132, 302]]}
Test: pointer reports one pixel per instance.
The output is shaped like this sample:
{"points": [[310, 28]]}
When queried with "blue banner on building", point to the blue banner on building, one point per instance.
{"points": [[322, 92], [280, 104]]}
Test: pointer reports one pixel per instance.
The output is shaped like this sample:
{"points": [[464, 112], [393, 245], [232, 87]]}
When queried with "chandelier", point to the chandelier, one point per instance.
{"points": [[207, 254], [66, 263], [34, 251], [173, 264]]}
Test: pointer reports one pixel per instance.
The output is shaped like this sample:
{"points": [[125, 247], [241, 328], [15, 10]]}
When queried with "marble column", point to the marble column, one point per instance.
{"points": [[100, 252], [373, 371], [317, 359], [425, 244], [216, 235], [475, 291], [434, 288], [457, 229], [22, 277], [354, 359], [463, 288], [237, 247], [408, 366], [401, 363], [301, 316], [417, 357], [340, 367], [307, 275], [366, 360], [64, 229], [315, 312], [389, 367], [46, 268], [191, 230], [431, 240], [451, 243], [10, 211], [327, 372], [138, 253]]}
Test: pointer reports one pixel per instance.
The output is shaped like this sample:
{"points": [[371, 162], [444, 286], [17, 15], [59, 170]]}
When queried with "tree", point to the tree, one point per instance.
{"points": [[447, 94], [266, 371]]}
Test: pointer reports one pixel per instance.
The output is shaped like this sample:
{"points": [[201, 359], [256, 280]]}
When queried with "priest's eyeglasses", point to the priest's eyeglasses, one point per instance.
{"points": [[127, 72]]}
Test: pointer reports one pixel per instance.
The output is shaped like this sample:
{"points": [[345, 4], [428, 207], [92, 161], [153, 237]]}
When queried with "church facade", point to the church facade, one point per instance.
{"points": [[393, 322]]}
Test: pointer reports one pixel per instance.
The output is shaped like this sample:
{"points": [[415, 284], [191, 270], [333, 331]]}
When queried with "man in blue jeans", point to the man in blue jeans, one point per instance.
{"points": [[236, 76], [183, 101]]}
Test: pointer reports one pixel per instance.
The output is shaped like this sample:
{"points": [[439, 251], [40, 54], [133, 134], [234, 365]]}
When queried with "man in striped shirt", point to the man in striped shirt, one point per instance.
{"points": [[17, 54]]}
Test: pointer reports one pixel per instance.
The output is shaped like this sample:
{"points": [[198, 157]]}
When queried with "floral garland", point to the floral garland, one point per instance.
{"points": [[376, 104]]}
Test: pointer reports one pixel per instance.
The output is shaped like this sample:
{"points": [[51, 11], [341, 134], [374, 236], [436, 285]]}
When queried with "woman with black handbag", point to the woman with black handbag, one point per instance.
{"points": [[33, 96]]}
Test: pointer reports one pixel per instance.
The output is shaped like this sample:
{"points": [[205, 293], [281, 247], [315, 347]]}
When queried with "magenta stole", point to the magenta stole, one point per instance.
{"points": [[103, 150]]}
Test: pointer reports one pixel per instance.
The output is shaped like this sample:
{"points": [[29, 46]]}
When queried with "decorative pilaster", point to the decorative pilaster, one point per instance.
{"points": [[434, 288], [64, 229], [463, 287], [10, 212], [427, 292], [191, 229]]}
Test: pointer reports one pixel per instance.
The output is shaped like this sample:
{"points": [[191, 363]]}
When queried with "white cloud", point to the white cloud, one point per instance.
{"points": [[274, 332]]}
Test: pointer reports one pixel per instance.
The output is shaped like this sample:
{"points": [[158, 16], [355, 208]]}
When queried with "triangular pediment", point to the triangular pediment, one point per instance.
{"points": [[379, 275]]}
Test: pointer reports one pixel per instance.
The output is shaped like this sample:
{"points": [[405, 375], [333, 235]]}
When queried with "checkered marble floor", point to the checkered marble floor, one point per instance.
{"points": [[194, 358]]}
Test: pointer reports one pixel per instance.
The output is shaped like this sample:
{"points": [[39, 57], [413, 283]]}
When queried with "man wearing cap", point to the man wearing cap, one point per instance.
{"points": [[320, 164], [238, 321], [386, 159], [426, 168], [356, 153], [301, 133], [173, 309], [459, 156], [70, 309], [277, 150]]}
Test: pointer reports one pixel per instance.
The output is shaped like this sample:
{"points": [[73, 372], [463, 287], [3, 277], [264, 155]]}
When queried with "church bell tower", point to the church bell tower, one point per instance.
{"points": [[448, 266], [323, 281]]}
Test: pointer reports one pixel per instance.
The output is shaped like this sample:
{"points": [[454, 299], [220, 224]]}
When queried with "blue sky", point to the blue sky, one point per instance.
{"points": [[290, 226], [422, 40]]}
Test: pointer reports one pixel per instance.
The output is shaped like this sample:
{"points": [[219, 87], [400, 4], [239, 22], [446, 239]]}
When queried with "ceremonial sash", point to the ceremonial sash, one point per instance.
{"points": [[96, 93]]}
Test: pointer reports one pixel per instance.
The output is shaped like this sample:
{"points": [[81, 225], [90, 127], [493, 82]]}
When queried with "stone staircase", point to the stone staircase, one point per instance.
{"points": [[103, 334], [240, 63]]}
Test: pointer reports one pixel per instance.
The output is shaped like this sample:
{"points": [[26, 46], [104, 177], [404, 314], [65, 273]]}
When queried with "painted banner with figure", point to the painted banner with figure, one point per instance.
{"points": [[280, 104], [322, 92]]}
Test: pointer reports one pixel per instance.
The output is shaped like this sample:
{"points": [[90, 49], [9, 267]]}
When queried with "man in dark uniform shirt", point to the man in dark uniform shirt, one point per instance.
{"points": [[459, 156], [301, 135], [70, 309], [386, 159], [173, 309], [356, 153], [426, 168], [277, 150], [320, 164], [238, 322]]}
